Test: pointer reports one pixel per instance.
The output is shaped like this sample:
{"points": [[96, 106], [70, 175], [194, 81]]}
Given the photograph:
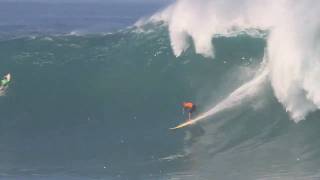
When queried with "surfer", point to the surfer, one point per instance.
{"points": [[5, 81], [190, 107]]}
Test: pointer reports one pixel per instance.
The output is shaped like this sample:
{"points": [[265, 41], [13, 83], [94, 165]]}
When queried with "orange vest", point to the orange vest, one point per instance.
{"points": [[188, 105]]}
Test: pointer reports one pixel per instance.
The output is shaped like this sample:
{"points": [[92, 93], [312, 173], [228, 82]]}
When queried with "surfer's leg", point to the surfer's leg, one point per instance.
{"points": [[193, 108]]}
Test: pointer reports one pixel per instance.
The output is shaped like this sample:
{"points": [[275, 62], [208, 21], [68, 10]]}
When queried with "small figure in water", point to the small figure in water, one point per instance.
{"points": [[5, 81], [190, 107]]}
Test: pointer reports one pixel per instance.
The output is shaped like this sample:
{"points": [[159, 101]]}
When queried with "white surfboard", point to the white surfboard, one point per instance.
{"points": [[185, 124]]}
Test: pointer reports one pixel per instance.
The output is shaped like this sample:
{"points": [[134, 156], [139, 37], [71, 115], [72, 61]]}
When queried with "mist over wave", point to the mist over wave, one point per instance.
{"points": [[100, 105], [97, 105], [292, 41]]}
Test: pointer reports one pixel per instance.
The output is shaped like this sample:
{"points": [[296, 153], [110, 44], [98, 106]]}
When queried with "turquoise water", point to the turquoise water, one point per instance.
{"points": [[99, 106]]}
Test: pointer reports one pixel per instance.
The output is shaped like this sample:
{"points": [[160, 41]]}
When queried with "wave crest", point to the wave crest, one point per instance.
{"points": [[292, 41]]}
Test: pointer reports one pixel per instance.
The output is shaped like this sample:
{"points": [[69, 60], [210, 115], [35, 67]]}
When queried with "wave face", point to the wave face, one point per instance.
{"points": [[100, 106], [292, 44]]}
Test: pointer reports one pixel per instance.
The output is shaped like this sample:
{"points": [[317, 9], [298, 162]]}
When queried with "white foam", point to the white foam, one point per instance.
{"points": [[293, 47], [3, 91], [237, 97]]}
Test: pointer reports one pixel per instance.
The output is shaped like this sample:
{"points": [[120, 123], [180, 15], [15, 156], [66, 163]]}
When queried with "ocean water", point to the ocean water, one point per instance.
{"points": [[95, 91], [19, 19]]}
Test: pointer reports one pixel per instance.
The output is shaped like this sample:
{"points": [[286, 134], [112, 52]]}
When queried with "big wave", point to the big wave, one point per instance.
{"points": [[292, 51]]}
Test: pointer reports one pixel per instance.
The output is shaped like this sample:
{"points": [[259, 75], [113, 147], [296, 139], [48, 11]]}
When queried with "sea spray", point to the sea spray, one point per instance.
{"points": [[292, 41]]}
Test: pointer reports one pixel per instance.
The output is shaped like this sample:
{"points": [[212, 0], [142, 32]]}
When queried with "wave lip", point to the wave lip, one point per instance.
{"points": [[292, 44]]}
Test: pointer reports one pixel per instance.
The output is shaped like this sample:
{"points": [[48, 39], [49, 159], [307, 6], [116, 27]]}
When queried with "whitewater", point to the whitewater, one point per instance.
{"points": [[292, 43], [93, 95]]}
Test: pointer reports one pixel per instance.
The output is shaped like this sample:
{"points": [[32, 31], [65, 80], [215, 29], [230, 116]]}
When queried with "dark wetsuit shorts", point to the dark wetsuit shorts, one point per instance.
{"points": [[192, 109]]}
